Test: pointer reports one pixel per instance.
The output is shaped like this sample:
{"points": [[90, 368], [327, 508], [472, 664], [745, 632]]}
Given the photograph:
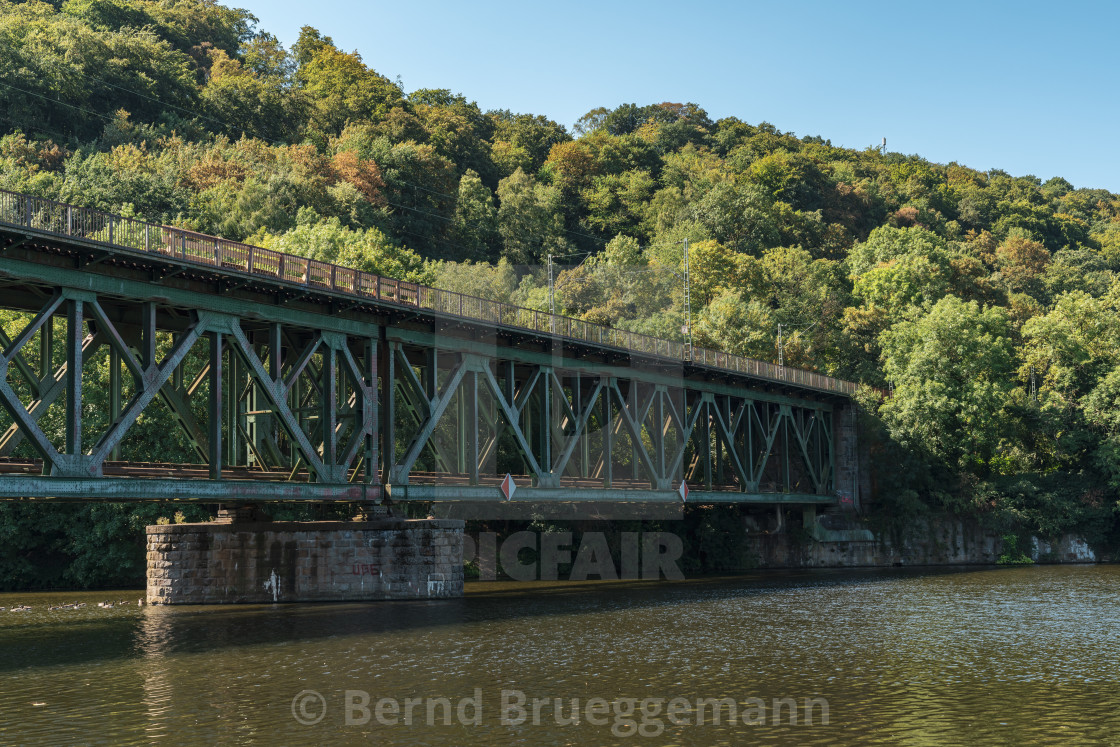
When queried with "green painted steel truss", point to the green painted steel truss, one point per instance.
{"points": [[266, 410], [563, 427], [142, 382]]}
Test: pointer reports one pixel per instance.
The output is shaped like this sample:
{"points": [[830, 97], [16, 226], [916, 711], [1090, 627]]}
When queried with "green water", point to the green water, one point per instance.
{"points": [[993, 656]]}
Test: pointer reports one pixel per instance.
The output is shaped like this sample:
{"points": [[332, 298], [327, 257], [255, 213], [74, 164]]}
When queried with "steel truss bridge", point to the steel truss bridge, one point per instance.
{"points": [[144, 362]]}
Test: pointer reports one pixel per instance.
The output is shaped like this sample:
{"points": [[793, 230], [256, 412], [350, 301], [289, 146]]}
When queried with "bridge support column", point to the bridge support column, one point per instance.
{"points": [[267, 562], [846, 456]]}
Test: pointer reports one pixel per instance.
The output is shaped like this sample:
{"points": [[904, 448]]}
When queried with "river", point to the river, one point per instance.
{"points": [[1027, 655]]}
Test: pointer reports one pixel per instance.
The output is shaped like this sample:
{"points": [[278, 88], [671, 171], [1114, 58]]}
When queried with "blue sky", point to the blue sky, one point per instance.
{"points": [[1027, 87]]}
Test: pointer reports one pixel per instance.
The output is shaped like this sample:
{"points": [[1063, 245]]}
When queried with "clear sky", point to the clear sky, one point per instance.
{"points": [[1027, 87]]}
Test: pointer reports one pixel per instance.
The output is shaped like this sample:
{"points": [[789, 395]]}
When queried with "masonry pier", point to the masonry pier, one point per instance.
{"points": [[268, 562]]}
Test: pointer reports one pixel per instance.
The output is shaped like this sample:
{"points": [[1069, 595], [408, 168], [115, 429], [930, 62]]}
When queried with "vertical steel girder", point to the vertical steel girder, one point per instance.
{"points": [[464, 415]]}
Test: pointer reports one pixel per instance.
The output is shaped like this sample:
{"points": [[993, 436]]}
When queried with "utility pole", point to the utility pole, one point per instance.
{"points": [[781, 350], [551, 298], [688, 309]]}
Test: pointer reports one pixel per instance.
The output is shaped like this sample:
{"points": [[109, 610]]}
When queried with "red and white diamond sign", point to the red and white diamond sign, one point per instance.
{"points": [[683, 490], [508, 486]]}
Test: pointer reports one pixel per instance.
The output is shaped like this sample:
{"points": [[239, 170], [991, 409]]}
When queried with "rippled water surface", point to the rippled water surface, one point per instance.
{"points": [[992, 656]]}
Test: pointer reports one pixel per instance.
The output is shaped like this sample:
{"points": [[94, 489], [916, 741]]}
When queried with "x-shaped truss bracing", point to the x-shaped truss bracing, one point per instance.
{"points": [[454, 415], [260, 402]]}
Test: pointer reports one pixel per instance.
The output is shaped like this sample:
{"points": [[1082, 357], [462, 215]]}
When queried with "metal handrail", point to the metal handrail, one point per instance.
{"points": [[41, 214]]}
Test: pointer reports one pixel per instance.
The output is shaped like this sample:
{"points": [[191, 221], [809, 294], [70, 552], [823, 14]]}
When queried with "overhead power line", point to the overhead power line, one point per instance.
{"points": [[56, 101], [157, 101]]}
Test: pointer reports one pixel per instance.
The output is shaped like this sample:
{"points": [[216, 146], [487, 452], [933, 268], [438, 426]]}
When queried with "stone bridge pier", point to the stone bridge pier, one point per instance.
{"points": [[852, 477], [270, 562]]}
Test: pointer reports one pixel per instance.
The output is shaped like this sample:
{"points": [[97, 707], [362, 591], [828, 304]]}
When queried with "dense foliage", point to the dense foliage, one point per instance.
{"points": [[985, 304]]}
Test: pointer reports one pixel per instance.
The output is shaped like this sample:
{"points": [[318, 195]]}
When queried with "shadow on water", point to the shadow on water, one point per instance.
{"points": [[69, 638]]}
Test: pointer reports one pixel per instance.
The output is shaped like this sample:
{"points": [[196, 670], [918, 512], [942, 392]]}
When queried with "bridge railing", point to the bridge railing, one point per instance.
{"points": [[188, 246]]}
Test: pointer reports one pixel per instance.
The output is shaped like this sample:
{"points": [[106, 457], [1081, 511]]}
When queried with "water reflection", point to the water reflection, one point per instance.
{"points": [[153, 642], [1001, 655]]}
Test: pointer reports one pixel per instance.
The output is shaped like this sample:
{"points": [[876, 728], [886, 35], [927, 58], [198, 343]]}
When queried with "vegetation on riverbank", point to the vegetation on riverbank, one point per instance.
{"points": [[985, 303]]}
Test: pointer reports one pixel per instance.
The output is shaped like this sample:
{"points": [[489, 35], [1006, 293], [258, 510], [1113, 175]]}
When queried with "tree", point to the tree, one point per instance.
{"points": [[369, 250], [66, 75], [570, 165], [623, 286], [808, 297], [529, 219], [791, 178], [189, 25], [420, 190], [252, 104], [456, 128], [896, 286], [888, 243], [265, 57], [951, 370], [629, 118], [523, 140], [126, 178], [1102, 411], [1022, 261], [1075, 343], [741, 217], [475, 226], [616, 203], [497, 282], [1078, 269], [714, 268], [737, 325], [341, 88]]}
